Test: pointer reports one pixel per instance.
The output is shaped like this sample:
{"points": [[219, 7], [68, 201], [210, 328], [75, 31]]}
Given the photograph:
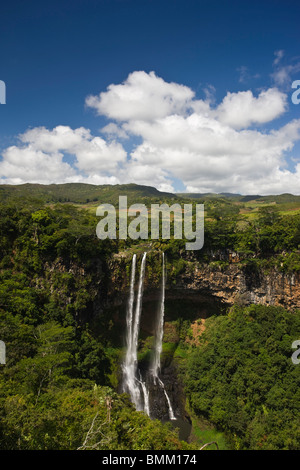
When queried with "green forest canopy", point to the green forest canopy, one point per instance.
{"points": [[57, 382]]}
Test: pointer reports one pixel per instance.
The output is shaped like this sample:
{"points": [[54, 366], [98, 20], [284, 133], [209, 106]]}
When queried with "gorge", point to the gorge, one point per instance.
{"points": [[185, 334], [199, 291]]}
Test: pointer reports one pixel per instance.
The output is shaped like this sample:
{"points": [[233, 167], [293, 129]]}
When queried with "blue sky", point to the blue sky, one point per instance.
{"points": [[214, 79]]}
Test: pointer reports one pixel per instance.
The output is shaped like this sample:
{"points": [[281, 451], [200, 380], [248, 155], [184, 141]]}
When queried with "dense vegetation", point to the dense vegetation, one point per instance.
{"points": [[57, 389], [80, 193], [46, 403], [241, 377]]}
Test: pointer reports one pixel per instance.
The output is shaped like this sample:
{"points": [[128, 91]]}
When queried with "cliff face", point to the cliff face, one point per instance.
{"points": [[233, 284], [108, 285]]}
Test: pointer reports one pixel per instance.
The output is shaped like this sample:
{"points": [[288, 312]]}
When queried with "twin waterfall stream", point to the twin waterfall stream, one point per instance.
{"points": [[133, 382]]}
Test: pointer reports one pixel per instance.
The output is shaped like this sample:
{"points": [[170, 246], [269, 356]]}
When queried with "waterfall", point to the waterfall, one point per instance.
{"points": [[132, 380], [138, 311], [155, 369], [171, 412], [146, 397], [159, 326], [131, 383]]}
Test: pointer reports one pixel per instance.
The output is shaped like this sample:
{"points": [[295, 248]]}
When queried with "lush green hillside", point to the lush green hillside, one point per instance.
{"points": [[63, 347], [242, 379], [57, 383], [81, 193]]}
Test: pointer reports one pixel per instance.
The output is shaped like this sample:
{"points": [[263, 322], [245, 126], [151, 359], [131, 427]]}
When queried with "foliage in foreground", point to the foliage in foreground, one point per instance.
{"points": [[44, 406]]}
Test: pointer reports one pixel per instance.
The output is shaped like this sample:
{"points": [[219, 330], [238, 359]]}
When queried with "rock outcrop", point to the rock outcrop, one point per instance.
{"points": [[233, 284]]}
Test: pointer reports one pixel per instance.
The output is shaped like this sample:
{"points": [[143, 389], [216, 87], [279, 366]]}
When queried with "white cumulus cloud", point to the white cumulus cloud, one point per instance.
{"points": [[242, 109], [175, 138], [41, 157], [141, 97]]}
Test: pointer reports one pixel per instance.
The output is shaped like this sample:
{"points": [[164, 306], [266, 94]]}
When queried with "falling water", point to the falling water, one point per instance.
{"points": [[160, 326], [171, 413], [155, 369], [138, 311], [146, 396], [131, 383], [132, 379]]}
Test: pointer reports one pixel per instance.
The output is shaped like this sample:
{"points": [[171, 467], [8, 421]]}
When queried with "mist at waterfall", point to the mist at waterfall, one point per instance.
{"points": [[133, 382]]}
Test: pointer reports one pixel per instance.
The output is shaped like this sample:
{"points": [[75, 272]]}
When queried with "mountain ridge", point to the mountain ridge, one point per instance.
{"points": [[87, 193]]}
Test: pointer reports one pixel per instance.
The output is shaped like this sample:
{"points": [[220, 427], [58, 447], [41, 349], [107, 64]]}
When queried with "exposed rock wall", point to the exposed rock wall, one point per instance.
{"points": [[228, 284], [232, 284]]}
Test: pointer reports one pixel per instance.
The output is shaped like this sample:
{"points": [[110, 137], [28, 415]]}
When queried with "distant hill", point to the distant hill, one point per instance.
{"points": [[231, 196], [282, 198], [89, 194], [279, 199], [199, 195], [80, 193]]}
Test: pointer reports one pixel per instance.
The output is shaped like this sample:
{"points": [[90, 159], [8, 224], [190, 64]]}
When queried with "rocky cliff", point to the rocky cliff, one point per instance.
{"points": [[235, 284]]}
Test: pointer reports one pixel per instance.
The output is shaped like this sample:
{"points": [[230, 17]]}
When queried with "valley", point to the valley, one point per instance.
{"points": [[194, 348]]}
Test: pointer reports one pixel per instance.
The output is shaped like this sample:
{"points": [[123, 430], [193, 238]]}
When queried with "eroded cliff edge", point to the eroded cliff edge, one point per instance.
{"points": [[234, 283]]}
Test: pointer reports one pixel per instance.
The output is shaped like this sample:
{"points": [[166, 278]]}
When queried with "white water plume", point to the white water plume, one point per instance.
{"points": [[131, 383], [159, 333], [132, 379], [159, 326]]}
